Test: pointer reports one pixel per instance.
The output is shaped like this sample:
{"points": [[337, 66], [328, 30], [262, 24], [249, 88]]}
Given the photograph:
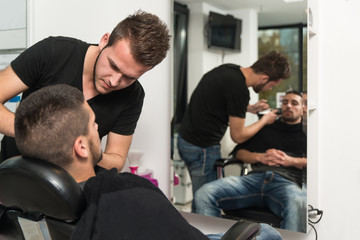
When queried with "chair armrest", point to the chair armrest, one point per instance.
{"points": [[242, 230], [223, 162]]}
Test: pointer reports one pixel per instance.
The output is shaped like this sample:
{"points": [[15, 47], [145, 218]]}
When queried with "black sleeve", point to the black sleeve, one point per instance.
{"points": [[30, 65], [237, 93], [244, 145], [258, 143]]}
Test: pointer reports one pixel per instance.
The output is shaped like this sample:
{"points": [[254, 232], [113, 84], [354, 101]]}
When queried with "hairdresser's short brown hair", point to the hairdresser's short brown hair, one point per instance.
{"points": [[148, 35], [274, 65], [48, 122]]}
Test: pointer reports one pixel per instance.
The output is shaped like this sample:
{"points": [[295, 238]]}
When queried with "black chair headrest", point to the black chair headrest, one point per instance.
{"points": [[40, 187]]}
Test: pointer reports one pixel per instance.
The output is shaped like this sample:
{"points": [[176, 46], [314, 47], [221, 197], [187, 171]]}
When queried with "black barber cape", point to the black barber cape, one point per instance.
{"points": [[126, 206]]}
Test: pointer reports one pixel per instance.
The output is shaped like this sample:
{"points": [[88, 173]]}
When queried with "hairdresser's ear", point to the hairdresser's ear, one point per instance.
{"points": [[264, 78], [104, 40], [81, 148]]}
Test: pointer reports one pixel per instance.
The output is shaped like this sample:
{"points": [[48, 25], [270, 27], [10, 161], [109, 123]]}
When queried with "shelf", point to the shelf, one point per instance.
{"points": [[311, 33], [312, 107]]}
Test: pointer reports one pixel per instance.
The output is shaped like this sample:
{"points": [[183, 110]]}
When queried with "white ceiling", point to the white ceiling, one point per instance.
{"points": [[270, 12]]}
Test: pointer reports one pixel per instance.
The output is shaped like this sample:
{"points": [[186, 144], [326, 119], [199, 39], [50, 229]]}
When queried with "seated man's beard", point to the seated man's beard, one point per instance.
{"points": [[96, 154], [289, 119]]}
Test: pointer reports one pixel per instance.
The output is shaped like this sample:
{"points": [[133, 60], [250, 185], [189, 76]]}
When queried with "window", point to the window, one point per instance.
{"points": [[291, 40]]}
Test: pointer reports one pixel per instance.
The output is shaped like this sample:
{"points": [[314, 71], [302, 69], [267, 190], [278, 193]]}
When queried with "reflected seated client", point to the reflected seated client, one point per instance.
{"points": [[277, 155]]}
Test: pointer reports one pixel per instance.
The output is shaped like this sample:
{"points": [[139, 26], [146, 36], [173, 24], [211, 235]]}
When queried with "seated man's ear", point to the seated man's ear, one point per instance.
{"points": [[81, 147], [303, 112]]}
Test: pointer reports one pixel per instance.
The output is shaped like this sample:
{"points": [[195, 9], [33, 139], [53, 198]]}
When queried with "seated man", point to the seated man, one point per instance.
{"points": [[304, 119], [56, 124], [277, 155]]}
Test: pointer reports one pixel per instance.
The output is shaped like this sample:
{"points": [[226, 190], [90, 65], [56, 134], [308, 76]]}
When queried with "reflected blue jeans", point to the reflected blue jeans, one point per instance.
{"points": [[199, 161], [282, 196], [266, 233]]}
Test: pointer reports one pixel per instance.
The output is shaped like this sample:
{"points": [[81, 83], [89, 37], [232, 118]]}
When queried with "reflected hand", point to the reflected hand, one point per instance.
{"points": [[274, 157], [270, 117], [268, 158], [259, 106], [280, 158]]}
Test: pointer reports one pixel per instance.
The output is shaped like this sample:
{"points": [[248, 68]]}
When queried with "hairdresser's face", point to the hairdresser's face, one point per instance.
{"points": [[115, 67], [292, 108], [93, 137]]}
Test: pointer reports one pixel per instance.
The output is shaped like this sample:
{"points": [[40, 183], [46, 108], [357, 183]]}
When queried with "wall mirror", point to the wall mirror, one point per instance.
{"points": [[282, 26]]}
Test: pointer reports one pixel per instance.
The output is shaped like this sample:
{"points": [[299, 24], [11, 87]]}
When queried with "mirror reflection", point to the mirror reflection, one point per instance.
{"points": [[239, 124]]}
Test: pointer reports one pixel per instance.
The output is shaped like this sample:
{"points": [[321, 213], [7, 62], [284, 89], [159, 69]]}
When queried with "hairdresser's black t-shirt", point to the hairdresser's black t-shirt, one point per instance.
{"points": [[60, 60]]}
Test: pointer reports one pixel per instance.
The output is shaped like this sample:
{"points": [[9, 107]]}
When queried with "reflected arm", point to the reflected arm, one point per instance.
{"points": [[272, 157], [250, 157], [297, 162], [239, 133], [254, 157]]}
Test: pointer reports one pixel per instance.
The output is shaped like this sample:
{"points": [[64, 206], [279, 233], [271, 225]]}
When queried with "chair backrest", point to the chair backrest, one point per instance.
{"points": [[39, 191]]}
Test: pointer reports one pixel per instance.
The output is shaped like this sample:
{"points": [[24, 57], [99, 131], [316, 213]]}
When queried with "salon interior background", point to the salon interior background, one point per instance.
{"points": [[334, 165]]}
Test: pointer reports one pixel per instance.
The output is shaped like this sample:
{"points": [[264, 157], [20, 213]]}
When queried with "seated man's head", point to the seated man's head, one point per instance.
{"points": [[292, 107], [304, 97], [56, 124]]}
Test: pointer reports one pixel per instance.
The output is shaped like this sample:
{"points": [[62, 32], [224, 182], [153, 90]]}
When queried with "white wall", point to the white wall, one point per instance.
{"points": [[338, 164], [12, 35], [12, 24], [201, 59], [333, 158], [89, 20]]}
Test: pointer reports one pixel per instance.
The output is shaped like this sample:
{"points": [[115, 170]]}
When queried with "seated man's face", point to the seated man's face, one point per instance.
{"points": [[305, 103], [93, 137], [292, 108]]}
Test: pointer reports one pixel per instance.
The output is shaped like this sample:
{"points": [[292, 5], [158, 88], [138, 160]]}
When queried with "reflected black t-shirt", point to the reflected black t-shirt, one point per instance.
{"points": [[281, 136], [221, 93]]}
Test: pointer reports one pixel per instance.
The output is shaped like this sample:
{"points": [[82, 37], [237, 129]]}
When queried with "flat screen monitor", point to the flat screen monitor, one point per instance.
{"points": [[224, 32]]}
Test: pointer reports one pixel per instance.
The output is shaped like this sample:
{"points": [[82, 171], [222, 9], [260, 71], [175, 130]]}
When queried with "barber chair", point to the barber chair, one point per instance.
{"points": [[38, 200], [254, 214]]}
